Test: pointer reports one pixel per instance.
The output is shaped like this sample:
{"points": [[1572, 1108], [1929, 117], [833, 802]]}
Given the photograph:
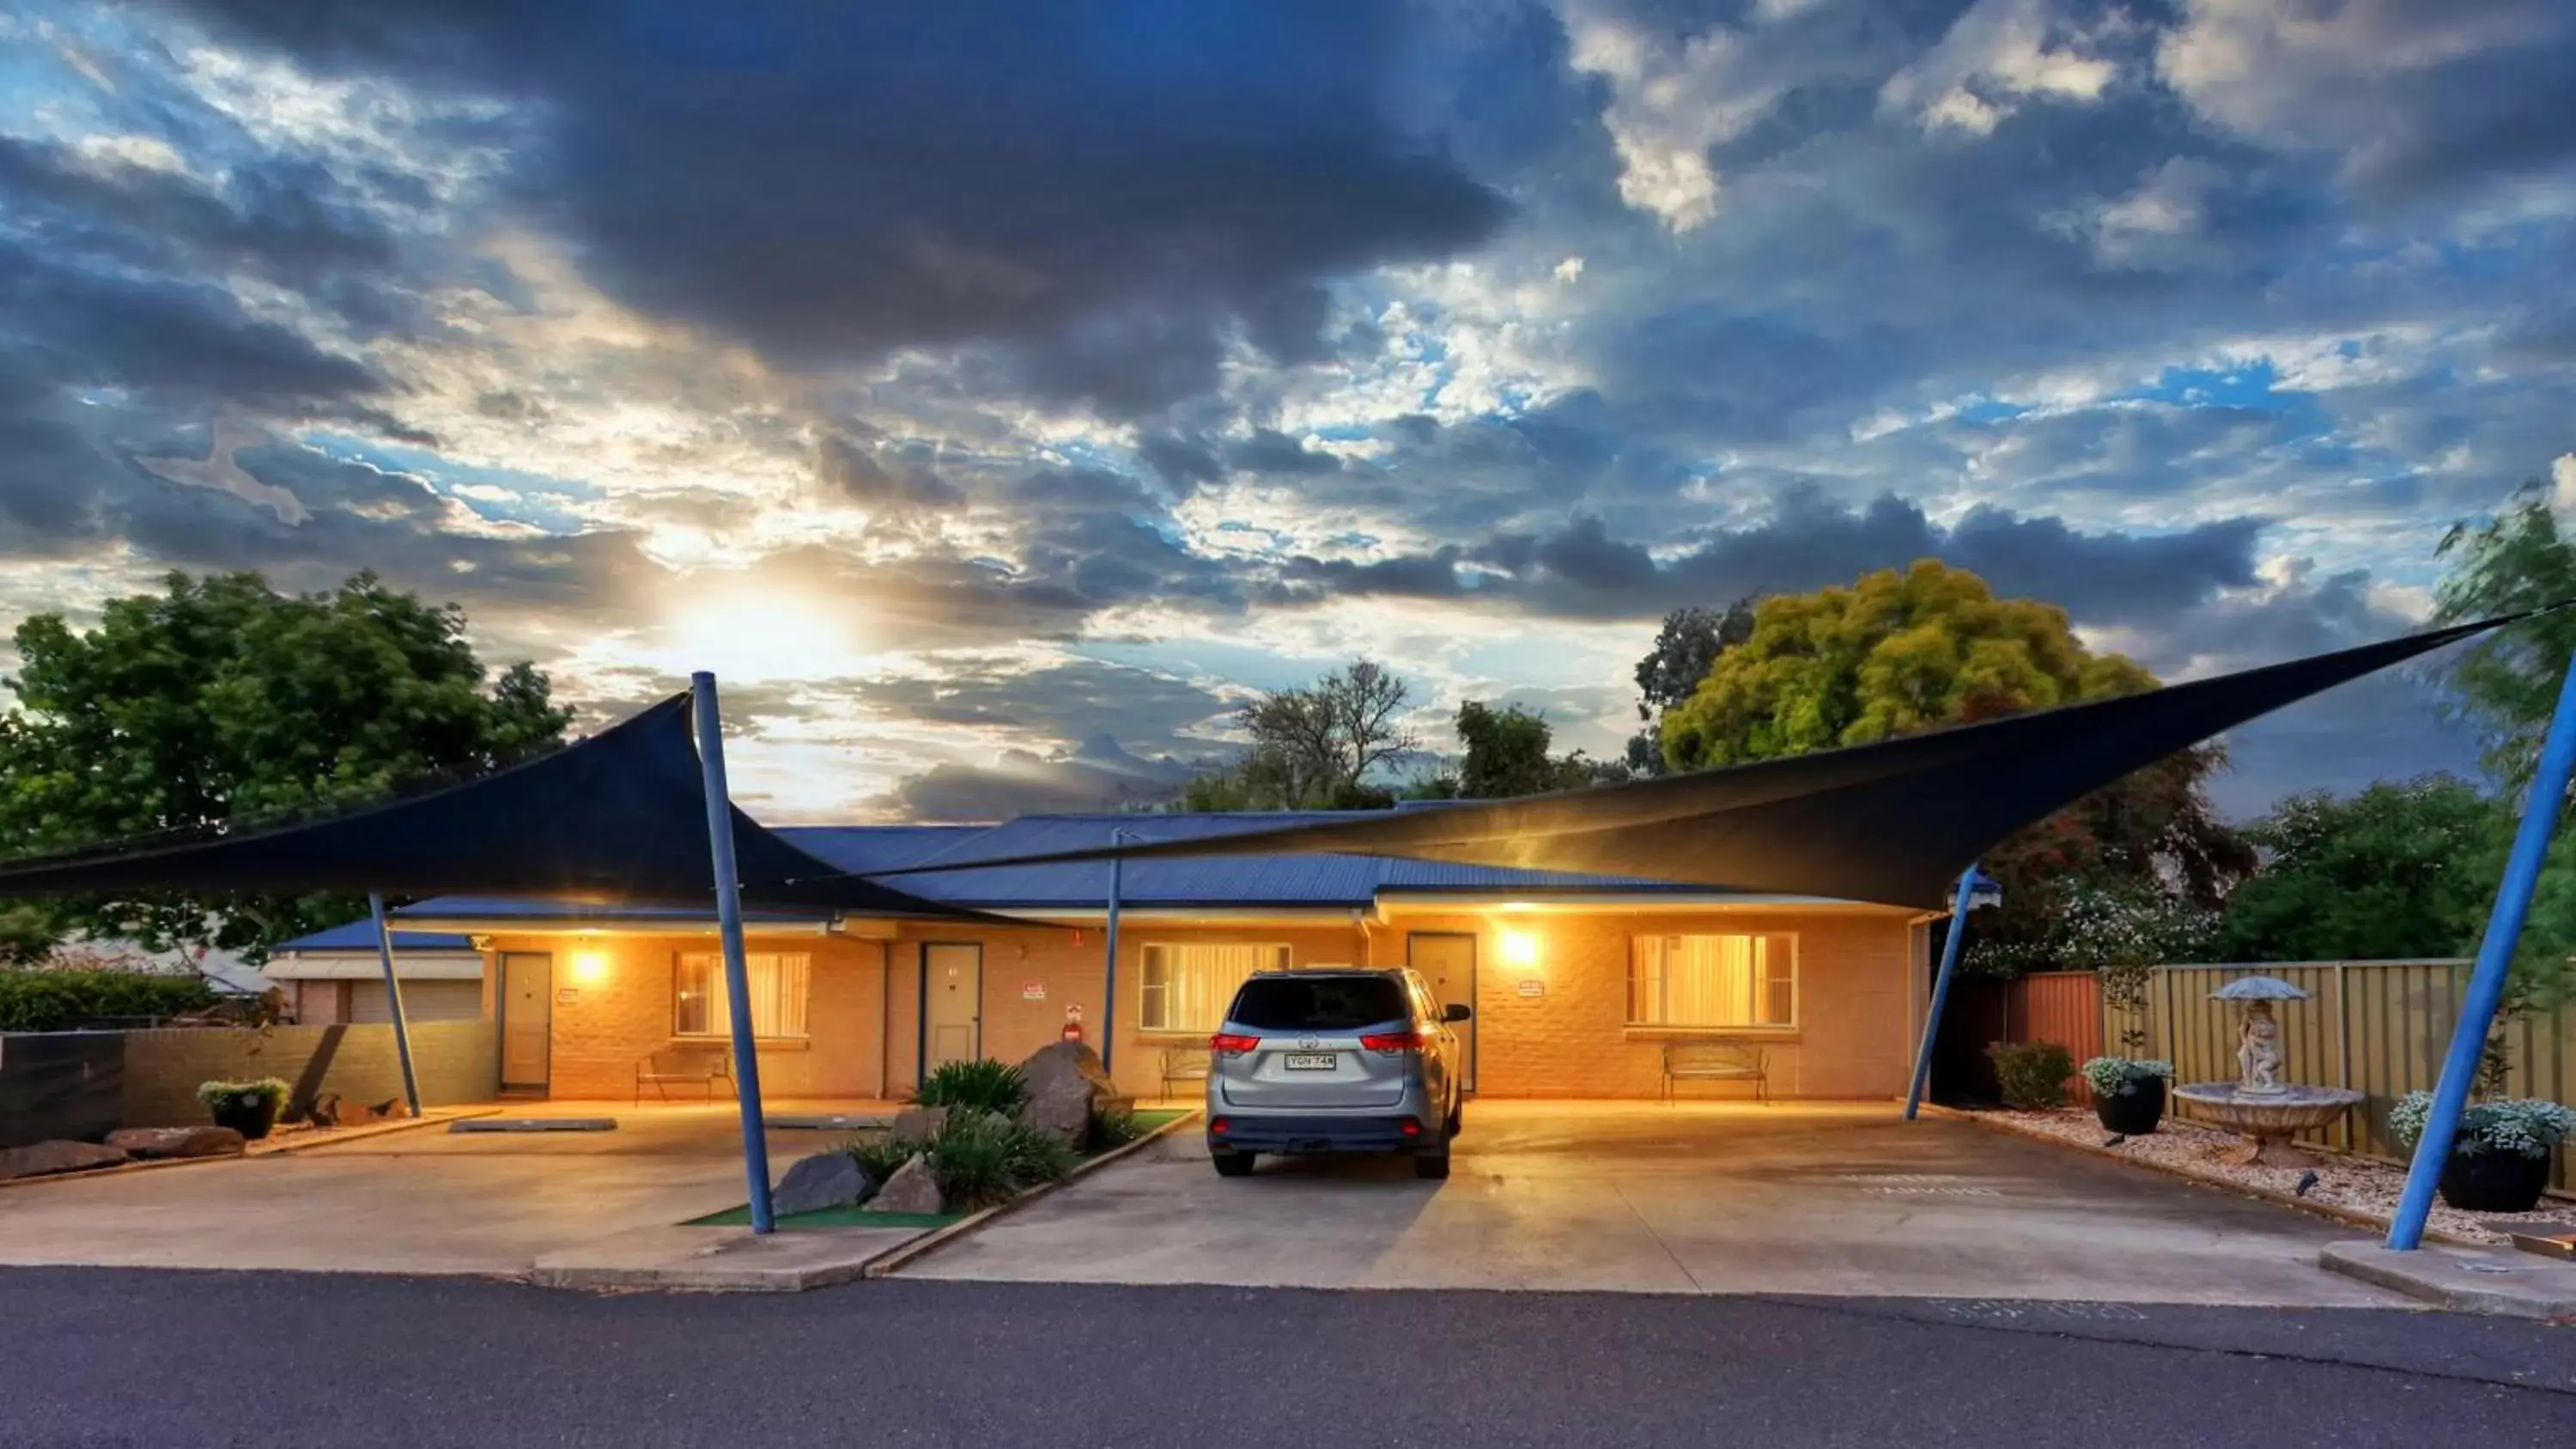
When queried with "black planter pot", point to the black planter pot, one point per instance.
{"points": [[252, 1120], [2134, 1112], [2494, 1182]]}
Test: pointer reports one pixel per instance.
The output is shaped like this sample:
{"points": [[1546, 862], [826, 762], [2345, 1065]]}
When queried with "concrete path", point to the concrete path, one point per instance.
{"points": [[141, 1359], [422, 1201], [1691, 1199]]}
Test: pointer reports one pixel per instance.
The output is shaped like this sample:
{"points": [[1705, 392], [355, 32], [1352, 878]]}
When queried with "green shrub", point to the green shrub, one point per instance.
{"points": [[2032, 1073], [214, 1096], [1115, 1127], [981, 1159], [2525, 1125], [977, 1086], [880, 1155], [68, 1000]]}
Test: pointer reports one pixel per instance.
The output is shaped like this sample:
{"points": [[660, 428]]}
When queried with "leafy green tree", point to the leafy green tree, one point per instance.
{"points": [[2395, 870], [1897, 653], [1313, 748], [1686, 648], [2508, 681], [220, 702], [1507, 755]]}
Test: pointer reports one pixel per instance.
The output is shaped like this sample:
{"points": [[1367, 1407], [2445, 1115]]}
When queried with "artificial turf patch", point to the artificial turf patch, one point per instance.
{"points": [[839, 1217]]}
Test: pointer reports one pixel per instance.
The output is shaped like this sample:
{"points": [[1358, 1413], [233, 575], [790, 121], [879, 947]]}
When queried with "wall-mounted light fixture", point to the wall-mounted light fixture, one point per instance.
{"points": [[589, 965], [1520, 948]]}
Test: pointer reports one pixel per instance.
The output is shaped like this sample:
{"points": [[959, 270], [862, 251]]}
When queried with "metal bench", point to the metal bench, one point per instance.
{"points": [[1184, 1064], [1716, 1061], [693, 1066]]}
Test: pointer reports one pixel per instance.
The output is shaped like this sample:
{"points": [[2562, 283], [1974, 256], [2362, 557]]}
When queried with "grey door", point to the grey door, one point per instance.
{"points": [[952, 1003], [1447, 960], [527, 1018]]}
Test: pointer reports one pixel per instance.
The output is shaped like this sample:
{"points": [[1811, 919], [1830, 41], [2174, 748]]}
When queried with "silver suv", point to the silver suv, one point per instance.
{"points": [[1334, 1061]]}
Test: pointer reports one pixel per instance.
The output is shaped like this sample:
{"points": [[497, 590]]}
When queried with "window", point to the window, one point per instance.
{"points": [[1187, 987], [1323, 1002], [1722, 981], [777, 983]]}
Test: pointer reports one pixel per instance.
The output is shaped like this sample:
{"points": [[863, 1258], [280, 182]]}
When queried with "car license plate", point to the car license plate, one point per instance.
{"points": [[1313, 1061]]}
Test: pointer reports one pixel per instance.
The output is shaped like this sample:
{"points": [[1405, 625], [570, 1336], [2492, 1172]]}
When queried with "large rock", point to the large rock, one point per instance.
{"points": [[45, 1158], [177, 1141], [1067, 1084], [918, 1124], [824, 1180], [912, 1189]]}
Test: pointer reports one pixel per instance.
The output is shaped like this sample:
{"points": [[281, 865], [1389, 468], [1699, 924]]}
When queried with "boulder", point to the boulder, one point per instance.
{"points": [[44, 1158], [918, 1124], [177, 1141], [824, 1180], [912, 1189], [1066, 1085]]}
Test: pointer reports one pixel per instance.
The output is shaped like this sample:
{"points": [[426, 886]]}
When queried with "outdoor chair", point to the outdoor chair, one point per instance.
{"points": [[692, 1066], [1716, 1061], [1184, 1064]]}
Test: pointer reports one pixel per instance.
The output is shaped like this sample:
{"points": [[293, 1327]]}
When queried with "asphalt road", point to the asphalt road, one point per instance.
{"points": [[112, 1357]]}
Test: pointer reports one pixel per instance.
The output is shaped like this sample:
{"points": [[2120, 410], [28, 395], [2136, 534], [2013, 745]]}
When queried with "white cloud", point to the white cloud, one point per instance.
{"points": [[1997, 54], [2158, 226], [1667, 108], [2562, 484]]}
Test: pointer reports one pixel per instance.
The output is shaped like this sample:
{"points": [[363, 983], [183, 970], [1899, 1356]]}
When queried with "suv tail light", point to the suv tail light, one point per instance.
{"points": [[1392, 1043], [1228, 1044]]}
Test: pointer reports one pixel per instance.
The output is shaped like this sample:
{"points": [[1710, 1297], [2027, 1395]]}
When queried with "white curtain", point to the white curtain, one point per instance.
{"points": [[777, 981], [1187, 987], [1722, 981]]}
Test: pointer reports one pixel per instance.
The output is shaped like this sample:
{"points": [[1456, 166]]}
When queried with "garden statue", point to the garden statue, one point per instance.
{"points": [[2258, 1103]]}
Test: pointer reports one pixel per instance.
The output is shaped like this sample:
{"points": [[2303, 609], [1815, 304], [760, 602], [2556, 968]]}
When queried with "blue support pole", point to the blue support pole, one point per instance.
{"points": [[1109, 1001], [393, 1000], [1968, 882], [746, 1061], [2487, 979]]}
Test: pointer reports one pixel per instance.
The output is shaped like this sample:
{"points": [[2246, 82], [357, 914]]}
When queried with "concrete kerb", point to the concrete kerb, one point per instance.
{"points": [[687, 1258], [932, 1242], [2503, 1284], [2274, 1196], [266, 1147]]}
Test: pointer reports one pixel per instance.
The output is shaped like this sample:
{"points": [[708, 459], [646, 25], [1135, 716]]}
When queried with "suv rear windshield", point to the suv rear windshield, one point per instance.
{"points": [[1319, 1003]]}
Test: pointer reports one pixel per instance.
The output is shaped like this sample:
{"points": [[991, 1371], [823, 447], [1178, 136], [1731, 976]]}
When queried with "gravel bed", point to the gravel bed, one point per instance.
{"points": [[2353, 1184]]}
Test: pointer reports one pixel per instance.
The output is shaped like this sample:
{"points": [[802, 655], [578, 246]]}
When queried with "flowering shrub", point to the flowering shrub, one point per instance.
{"points": [[2114, 1076], [2526, 1125], [215, 1096], [2096, 927]]}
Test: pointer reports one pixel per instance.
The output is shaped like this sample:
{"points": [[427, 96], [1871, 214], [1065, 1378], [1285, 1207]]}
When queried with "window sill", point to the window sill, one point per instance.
{"points": [[758, 1043], [1750, 1034]]}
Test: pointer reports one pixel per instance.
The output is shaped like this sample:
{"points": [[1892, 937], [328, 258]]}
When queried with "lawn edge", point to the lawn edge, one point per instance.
{"points": [[903, 1254]]}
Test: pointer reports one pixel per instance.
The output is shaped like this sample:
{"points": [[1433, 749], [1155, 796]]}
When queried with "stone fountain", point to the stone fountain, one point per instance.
{"points": [[2258, 1104]]}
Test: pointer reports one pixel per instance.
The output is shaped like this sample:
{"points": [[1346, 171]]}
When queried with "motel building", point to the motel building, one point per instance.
{"points": [[1579, 983]]}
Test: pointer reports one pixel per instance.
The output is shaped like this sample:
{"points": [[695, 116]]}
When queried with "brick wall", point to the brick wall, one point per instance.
{"points": [[456, 1061], [612, 1015], [1573, 1040]]}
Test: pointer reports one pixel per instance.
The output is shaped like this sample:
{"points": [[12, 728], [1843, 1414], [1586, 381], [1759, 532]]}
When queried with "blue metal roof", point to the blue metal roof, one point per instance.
{"points": [[360, 935], [1295, 882]]}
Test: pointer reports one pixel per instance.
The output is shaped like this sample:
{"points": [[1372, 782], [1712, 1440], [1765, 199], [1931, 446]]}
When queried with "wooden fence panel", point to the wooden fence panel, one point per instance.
{"points": [[2064, 1007]]}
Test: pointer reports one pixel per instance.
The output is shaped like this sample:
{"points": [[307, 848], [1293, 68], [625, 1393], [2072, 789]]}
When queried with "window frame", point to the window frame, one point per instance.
{"points": [[723, 1031], [1797, 988], [1146, 986]]}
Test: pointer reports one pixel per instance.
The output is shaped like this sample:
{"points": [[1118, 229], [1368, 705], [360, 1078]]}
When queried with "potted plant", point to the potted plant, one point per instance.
{"points": [[249, 1108], [2500, 1156], [2128, 1095]]}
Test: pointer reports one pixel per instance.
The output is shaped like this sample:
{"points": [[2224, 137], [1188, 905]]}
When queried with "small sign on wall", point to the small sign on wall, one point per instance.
{"points": [[1033, 991], [1530, 987], [567, 995]]}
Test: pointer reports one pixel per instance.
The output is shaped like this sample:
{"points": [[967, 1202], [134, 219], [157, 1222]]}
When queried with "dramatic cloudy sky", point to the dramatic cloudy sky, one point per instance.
{"points": [[993, 393]]}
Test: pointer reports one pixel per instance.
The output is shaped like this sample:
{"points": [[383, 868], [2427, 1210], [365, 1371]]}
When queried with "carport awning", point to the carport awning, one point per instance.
{"points": [[1893, 822], [617, 817]]}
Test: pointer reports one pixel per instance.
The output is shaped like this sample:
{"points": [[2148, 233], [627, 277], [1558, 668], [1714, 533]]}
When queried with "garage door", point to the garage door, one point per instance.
{"points": [[422, 1001]]}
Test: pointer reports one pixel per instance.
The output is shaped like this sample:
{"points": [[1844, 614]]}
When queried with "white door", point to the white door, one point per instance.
{"points": [[1448, 962], [952, 1004], [527, 1017]]}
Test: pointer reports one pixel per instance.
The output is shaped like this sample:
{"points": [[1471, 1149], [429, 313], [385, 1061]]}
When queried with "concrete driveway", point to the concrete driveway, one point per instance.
{"points": [[1699, 1198], [420, 1201]]}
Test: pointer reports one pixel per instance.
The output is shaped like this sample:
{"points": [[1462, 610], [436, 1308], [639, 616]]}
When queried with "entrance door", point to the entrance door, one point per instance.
{"points": [[1448, 961], [952, 1003], [527, 1017]]}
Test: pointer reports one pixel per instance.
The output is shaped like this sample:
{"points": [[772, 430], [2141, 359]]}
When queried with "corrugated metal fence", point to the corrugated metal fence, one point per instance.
{"points": [[2379, 1027]]}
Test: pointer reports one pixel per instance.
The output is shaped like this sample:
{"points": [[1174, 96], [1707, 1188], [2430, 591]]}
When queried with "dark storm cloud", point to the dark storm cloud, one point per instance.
{"points": [[1582, 571], [870, 475], [1079, 699], [1107, 191], [1270, 451], [285, 219]]}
